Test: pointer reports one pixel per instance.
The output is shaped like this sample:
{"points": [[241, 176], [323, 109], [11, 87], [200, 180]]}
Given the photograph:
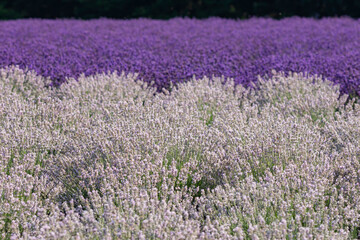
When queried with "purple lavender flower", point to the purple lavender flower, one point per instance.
{"points": [[177, 49]]}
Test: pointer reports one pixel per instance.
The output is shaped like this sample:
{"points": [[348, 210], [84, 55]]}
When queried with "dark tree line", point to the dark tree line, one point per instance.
{"points": [[164, 9]]}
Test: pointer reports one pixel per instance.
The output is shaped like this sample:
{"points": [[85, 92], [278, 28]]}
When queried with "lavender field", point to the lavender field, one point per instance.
{"points": [[180, 129], [175, 50]]}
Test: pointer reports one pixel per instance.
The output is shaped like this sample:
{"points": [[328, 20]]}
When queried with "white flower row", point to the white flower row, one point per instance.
{"points": [[105, 157]]}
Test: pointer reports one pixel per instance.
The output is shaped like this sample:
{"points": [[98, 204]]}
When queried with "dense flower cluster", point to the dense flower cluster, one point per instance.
{"points": [[175, 50], [104, 158]]}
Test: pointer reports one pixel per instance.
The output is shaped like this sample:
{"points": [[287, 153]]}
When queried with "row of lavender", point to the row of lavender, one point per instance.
{"points": [[103, 158], [175, 50]]}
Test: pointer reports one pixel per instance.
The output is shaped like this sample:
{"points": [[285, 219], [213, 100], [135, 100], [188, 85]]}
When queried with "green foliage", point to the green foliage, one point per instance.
{"points": [[10, 163], [265, 161], [181, 156], [7, 226], [164, 9]]}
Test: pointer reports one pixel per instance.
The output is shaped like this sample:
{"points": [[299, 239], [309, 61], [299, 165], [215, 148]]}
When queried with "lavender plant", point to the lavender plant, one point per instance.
{"points": [[165, 52], [104, 157]]}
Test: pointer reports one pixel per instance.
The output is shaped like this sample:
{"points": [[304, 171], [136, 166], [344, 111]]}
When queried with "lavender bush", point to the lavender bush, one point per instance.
{"points": [[104, 157], [175, 50]]}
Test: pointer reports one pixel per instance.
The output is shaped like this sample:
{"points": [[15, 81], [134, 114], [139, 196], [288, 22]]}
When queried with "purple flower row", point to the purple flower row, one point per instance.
{"points": [[177, 49]]}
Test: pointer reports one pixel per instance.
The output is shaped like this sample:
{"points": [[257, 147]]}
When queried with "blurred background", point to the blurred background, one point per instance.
{"points": [[165, 9]]}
